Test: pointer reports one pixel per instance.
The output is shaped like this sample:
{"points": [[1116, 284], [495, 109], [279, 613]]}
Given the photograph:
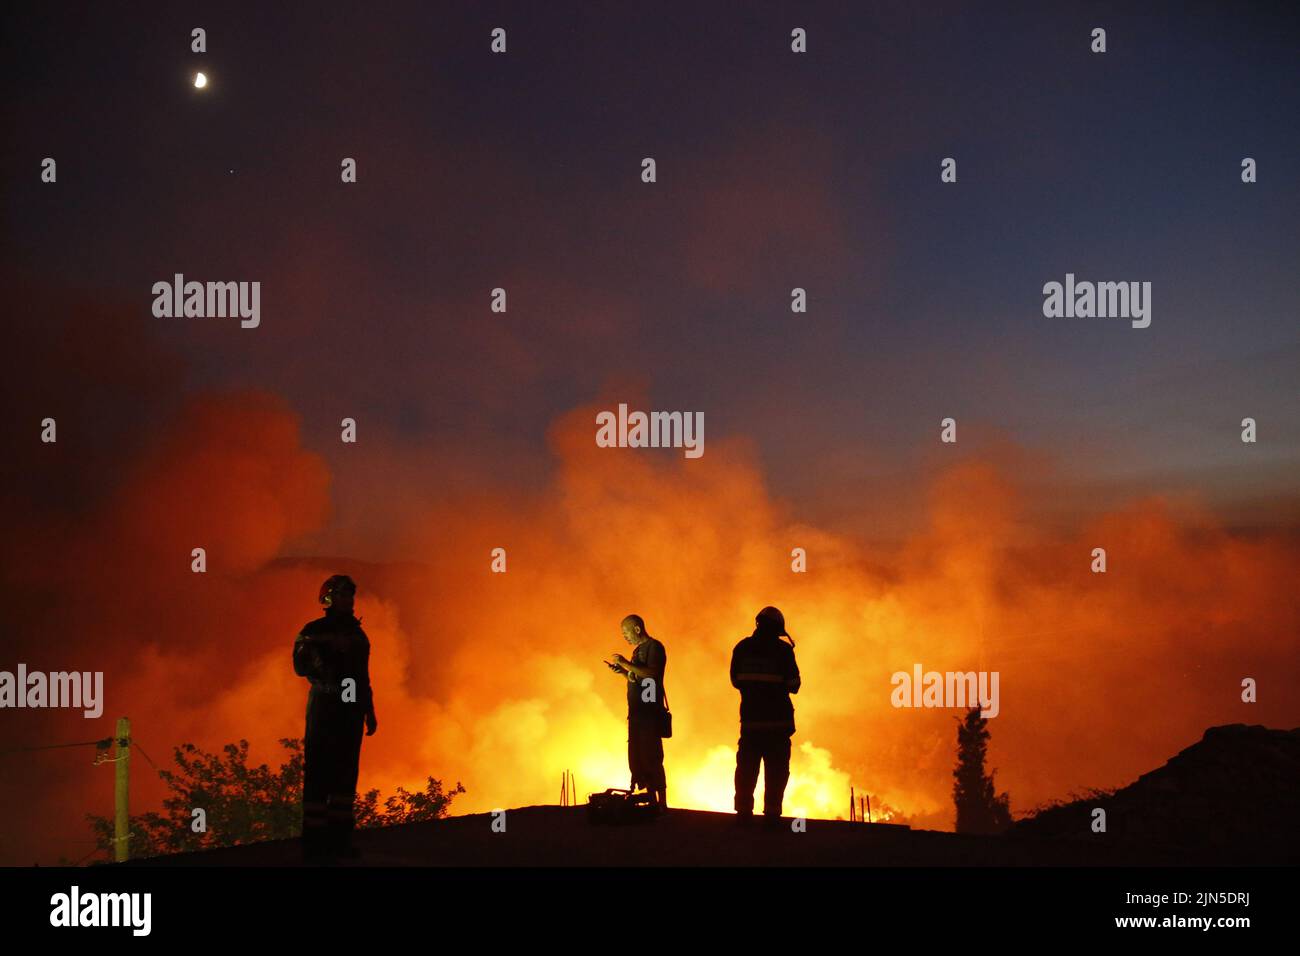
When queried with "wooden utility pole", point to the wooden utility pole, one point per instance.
{"points": [[122, 791]]}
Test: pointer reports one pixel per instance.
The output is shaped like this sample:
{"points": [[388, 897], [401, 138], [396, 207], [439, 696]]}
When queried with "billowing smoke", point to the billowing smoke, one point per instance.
{"points": [[495, 679]]}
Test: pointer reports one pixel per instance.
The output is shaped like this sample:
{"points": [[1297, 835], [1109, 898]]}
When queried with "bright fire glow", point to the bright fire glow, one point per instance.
{"points": [[495, 680]]}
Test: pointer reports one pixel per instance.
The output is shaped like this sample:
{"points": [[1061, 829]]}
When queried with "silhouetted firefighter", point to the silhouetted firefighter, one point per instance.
{"points": [[763, 669], [647, 714], [334, 654]]}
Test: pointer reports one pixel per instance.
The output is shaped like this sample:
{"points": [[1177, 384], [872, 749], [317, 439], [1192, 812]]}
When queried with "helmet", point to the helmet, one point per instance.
{"points": [[335, 585], [773, 621]]}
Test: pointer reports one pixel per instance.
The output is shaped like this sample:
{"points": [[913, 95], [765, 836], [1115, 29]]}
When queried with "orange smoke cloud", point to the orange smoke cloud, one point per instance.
{"points": [[495, 679]]}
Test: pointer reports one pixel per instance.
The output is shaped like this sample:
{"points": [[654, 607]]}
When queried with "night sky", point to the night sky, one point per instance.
{"points": [[775, 170]]}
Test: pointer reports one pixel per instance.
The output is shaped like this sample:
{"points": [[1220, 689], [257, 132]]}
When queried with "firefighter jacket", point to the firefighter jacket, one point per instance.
{"points": [[763, 669]]}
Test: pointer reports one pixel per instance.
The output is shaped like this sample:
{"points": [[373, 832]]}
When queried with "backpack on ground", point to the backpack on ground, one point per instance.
{"points": [[620, 807]]}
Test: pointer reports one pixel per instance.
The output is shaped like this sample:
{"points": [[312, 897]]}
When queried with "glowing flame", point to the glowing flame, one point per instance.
{"points": [[495, 679]]}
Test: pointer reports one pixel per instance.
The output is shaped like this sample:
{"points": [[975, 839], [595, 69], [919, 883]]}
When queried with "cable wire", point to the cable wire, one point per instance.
{"points": [[81, 743]]}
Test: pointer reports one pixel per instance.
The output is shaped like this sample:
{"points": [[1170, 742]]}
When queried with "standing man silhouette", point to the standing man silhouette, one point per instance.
{"points": [[334, 654], [646, 716], [763, 669]]}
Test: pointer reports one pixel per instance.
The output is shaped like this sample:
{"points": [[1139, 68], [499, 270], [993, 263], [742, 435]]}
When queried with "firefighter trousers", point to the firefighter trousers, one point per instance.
{"points": [[331, 762], [772, 749]]}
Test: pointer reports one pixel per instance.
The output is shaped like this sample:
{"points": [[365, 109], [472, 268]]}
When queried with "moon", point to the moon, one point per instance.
{"points": [[200, 81]]}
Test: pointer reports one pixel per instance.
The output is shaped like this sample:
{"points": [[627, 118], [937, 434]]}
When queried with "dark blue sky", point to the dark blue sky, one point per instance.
{"points": [[775, 170]]}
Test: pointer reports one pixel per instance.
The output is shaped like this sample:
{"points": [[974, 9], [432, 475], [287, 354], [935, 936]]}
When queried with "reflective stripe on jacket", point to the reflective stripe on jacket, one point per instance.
{"points": [[763, 669]]}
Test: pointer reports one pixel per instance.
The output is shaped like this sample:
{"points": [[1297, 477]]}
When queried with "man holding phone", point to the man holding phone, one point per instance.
{"points": [[646, 716]]}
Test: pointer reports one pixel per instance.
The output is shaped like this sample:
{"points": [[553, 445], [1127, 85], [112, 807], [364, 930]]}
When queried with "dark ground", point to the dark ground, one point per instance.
{"points": [[561, 836], [1231, 798]]}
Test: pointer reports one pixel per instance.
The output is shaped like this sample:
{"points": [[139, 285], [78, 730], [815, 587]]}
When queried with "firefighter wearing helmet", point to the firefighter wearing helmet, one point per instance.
{"points": [[763, 669], [333, 653]]}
